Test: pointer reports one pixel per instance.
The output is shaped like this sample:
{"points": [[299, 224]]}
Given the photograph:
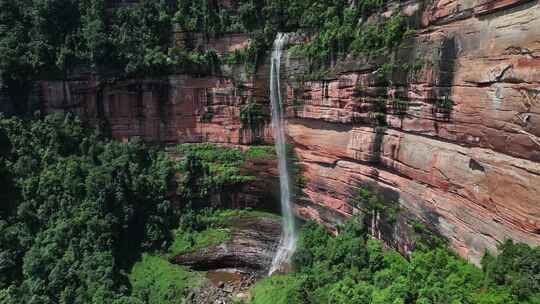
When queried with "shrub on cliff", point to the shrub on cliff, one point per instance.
{"points": [[157, 281], [252, 116], [517, 267], [210, 169], [140, 36]]}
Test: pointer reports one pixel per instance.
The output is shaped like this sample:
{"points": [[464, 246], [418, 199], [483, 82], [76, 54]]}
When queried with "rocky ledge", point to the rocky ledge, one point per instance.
{"points": [[250, 248]]}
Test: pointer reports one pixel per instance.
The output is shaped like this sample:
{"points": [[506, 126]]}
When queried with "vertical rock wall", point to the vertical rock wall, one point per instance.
{"points": [[470, 171], [178, 109]]}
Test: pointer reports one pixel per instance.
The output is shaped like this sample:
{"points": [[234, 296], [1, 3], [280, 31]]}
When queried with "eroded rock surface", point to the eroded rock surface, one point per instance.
{"points": [[251, 247], [469, 171]]}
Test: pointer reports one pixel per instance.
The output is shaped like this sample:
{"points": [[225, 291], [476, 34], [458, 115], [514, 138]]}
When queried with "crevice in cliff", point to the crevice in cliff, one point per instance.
{"points": [[511, 7], [536, 173], [474, 165], [161, 102], [102, 121]]}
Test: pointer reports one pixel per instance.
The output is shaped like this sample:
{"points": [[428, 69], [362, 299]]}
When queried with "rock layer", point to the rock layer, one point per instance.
{"points": [[178, 109], [470, 171], [251, 247]]}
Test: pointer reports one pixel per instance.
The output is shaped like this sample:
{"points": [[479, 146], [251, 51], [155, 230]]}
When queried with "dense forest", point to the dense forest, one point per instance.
{"points": [[356, 268], [78, 210], [54, 39]]}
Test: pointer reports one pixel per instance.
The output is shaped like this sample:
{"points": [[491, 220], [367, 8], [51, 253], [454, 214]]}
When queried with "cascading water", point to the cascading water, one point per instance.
{"points": [[287, 244]]}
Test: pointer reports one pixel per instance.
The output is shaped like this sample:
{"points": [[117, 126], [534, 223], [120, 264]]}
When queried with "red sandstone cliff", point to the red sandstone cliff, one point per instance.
{"points": [[472, 172]]}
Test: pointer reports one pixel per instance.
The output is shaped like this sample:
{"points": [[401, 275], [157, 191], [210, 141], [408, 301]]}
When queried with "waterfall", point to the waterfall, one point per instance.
{"points": [[287, 244]]}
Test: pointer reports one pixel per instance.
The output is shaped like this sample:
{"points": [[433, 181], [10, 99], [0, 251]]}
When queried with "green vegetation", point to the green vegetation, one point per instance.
{"points": [[50, 38], [252, 116], [88, 220], [81, 209], [400, 106], [185, 242], [209, 227], [223, 217], [340, 35], [377, 115], [207, 116], [295, 169], [444, 104], [261, 152], [53, 39], [54, 36], [237, 57], [206, 16], [140, 36], [215, 220], [78, 212], [354, 268], [210, 169], [85, 219], [155, 281], [375, 205], [213, 154], [276, 289], [515, 271]]}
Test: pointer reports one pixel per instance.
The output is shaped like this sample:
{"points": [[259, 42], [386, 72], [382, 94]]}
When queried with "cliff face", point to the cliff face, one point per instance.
{"points": [[459, 149], [471, 171]]}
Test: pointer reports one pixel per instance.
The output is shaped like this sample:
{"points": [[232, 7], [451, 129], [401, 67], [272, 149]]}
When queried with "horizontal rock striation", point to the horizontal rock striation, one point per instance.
{"points": [[251, 247], [453, 142], [471, 171]]}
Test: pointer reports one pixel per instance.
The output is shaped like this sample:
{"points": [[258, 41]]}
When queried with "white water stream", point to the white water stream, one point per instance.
{"points": [[287, 244]]}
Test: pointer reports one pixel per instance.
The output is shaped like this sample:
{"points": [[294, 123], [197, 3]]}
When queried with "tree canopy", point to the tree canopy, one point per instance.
{"points": [[78, 209], [354, 268]]}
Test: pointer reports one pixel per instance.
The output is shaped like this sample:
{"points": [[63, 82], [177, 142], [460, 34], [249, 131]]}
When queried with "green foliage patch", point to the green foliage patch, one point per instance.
{"points": [[156, 281], [191, 241], [208, 227], [261, 152], [79, 210], [343, 33], [354, 268], [224, 217], [54, 37], [252, 116], [372, 202], [209, 169], [277, 289]]}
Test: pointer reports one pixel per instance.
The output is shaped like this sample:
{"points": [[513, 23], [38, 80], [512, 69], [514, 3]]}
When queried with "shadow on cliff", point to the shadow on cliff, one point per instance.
{"points": [[383, 212], [442, 104]]}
